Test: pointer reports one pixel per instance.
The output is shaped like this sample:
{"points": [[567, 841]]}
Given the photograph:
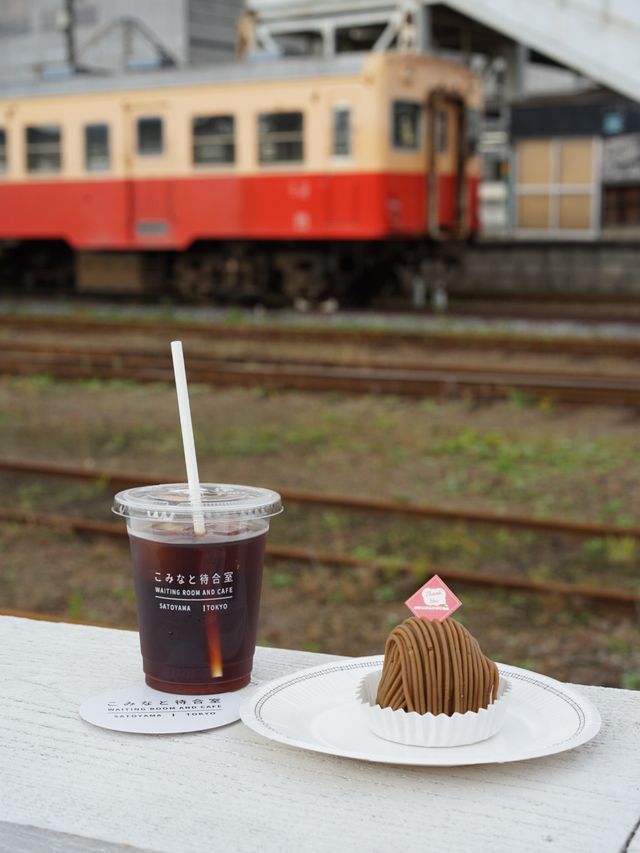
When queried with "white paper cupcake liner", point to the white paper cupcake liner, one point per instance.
{"points": [[415, 729]]}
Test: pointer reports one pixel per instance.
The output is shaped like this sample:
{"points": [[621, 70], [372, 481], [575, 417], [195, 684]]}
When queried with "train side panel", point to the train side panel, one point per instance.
{"points": [[398, 173]]}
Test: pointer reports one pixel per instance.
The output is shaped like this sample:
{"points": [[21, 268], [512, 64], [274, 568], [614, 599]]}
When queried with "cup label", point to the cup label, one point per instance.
{"points": [[186, 592], [433, 601], [146, 711]]}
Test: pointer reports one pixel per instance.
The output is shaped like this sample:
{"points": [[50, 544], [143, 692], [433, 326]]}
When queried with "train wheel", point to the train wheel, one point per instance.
{"points": [[194, 276]]}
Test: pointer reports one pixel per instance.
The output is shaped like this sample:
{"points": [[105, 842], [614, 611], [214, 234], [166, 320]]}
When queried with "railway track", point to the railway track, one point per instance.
{"points": [[319, 557], [429, 339], [596, 315], [128, 479], [411, 379], [117, 479], [138, 357]]}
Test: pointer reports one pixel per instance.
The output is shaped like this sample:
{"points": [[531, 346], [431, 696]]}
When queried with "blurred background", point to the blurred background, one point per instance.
{"points": [[400, 243]]}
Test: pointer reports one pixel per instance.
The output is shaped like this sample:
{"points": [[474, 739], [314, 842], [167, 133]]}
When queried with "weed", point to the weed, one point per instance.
{"points": [[243, 441], [362, 552], [401, 498], [75, 603], [630, 681], [594, 547], [526, 663], [384, 592], [279, 580], [621, 550], [26, 496], [330, 417], [311, 437], [383, 422], [235, 317], [35, 382], [519, 398], [420, 570], [335, 521], [541, 572], [431, 407], [198, 389], [124, 594], [617, 645], [504, 537], [93, 384], [397, 454], [392, 566], [546, 405]]}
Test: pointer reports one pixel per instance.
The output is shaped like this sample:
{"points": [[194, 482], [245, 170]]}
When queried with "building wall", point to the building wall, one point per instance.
{"points": [[578, 267], [192, 31], [211, 29]]}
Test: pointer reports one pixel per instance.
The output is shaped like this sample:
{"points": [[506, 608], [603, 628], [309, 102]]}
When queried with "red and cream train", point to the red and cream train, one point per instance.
{"points": [[284, 179]]}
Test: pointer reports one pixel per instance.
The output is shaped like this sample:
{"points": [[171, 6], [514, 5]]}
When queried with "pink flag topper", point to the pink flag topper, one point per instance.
{"points": [[433, 601]]}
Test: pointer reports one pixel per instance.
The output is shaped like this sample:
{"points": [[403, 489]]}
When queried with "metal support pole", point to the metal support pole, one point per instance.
{"points": [[329, 40], [70, 33], [425, 33], [517, 58]]}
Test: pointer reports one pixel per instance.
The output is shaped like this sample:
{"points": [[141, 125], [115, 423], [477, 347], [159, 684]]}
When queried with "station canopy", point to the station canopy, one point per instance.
{"points": [[597, 38]]}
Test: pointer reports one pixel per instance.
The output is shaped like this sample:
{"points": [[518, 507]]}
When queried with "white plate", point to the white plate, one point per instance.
{"points": [[316, 709]]}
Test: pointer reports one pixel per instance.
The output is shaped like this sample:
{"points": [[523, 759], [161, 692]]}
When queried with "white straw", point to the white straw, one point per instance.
{"points": [[187, 436]]}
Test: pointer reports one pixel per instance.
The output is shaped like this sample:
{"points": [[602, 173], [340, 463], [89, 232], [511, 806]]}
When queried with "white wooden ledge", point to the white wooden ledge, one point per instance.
{"points": [[67, 786]]}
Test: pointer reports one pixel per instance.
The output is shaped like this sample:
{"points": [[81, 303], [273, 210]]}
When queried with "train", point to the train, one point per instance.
{"points": [[251, 182]]}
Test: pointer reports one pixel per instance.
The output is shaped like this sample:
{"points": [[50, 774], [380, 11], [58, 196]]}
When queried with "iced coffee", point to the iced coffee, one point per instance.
{"points": [[197, 595]]}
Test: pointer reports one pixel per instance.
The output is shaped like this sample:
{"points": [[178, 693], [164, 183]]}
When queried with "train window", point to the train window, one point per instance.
{"points": [[281, 137], [442, 131], [149, 132], [406, 125], [3, 150], [341, 132], [213, 140], [96, 147], [44, 148]]}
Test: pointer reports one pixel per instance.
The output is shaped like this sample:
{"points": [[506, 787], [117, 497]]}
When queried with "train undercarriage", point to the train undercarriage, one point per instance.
{"points": [[273, 274]]}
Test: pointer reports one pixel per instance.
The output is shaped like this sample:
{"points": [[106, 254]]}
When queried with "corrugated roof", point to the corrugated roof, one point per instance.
{"points": [[236, 72]]}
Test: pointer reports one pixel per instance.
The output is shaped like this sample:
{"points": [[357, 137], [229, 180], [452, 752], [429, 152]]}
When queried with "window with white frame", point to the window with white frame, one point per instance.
{"points": [[213, 139], [281, 137], [44, 144], [406, 125], [341, 131], [96, 147], [150, 141]]}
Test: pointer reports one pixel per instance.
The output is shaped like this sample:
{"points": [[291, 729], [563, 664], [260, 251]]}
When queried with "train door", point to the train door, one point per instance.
{"points": [[342, 196], [446, 179], [149, 161]]}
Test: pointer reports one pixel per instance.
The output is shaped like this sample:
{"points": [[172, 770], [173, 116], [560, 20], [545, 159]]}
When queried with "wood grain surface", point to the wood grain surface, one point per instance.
{"points": [[231, 790]]}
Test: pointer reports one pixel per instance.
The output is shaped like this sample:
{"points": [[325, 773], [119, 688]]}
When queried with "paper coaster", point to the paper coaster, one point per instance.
{"points": [[146, 711]]}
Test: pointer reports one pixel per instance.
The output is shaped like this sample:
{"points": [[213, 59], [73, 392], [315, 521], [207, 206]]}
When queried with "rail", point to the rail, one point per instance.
{"points": [[315, 556], [122, 479], [431, 339], [441, 381]]}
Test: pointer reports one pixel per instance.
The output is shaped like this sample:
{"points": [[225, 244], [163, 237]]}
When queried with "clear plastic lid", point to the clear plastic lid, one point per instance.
{"points": [[172, 502]]}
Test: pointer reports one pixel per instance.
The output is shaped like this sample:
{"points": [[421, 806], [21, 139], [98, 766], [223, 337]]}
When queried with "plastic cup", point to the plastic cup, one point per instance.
{"points": [[197, 597]]}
